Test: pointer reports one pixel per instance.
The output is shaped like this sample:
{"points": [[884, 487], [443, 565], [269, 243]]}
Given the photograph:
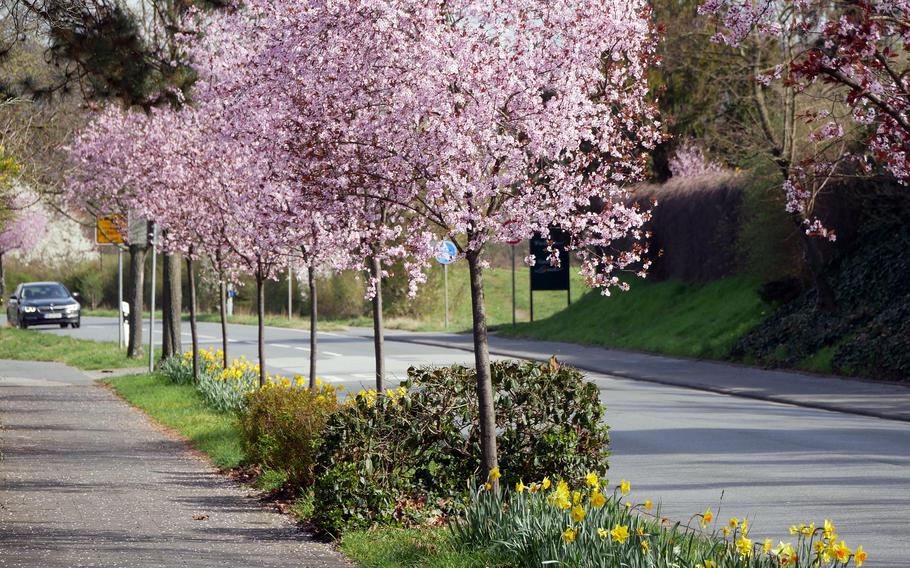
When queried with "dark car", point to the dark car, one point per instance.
{"points": [[43, 303]]}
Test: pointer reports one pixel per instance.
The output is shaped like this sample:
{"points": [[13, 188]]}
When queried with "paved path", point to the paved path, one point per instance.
{"points": [[88, 481]]}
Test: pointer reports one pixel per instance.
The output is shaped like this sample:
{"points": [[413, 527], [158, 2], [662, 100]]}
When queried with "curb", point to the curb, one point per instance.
{"points": [[646, 379]]}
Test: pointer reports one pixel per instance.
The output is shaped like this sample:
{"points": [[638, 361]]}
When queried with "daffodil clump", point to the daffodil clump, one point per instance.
{"points": [[599, 525], [226, 388]]}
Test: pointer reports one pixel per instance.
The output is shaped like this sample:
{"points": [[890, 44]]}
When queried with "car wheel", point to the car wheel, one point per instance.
{"points": [[63, 325], [78, 324], [22, 324]]}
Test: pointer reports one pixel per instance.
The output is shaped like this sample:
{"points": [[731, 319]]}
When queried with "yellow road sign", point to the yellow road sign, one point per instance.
{"points": [[107, 229]]}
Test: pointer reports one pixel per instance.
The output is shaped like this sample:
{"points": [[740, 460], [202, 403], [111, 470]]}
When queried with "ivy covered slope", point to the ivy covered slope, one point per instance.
{"points": [[868, 332], [865, 335]]}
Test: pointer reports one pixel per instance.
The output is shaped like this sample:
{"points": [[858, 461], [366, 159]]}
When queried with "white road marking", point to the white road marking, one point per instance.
{"points": [[302, 348], [280, 345], [333, 354]]}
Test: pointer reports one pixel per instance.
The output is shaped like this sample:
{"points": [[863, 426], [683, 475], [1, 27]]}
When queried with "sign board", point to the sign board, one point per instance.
{"points": [[138, 231], [544, 276], [446, 252], [108, 229]]}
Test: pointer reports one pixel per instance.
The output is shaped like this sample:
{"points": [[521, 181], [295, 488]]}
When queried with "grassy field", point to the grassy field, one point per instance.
{"points": [[671, 317], [180, 408], [31, 345]]}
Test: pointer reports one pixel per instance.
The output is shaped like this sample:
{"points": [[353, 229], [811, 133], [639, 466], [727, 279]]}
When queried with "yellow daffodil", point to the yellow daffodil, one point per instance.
{"points": [[645, 546], [725, 531], [598, 500], [603, 533], [640, 531], [734, 522], [576, 497], [488, 486], [744, 546], [707, 517], [578, 513], [860, 556], [494, 474], [620, 533], [785, 554], [533, 488], [624, 487], [568, 535], [545, 484], [829, 531], [841, 552], [766, 547], [520, 487], [592, 480], [649, 505], [628, 505]]}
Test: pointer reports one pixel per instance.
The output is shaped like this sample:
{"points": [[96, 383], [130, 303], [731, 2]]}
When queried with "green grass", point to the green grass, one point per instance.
{"points": [[181, 408], [674, 318], [271, 320], [31, 345], [413, 548]]}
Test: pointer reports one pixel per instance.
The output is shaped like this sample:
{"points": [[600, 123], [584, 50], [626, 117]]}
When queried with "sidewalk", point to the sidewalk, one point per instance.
{"points": [[85, 480], [882, 400]]}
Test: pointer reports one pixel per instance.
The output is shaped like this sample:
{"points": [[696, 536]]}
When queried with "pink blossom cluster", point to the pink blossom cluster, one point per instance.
{"points": [[362, 129], [689, 160], [27, 226]]}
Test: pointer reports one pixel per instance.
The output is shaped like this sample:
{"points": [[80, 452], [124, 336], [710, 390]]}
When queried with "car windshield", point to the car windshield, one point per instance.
{"points": [[45, 292]]}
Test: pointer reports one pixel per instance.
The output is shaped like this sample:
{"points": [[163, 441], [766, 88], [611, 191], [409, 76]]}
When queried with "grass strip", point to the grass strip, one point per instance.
{"points": [[672, 318], [31, 345], [413, 548], [182, 409]]}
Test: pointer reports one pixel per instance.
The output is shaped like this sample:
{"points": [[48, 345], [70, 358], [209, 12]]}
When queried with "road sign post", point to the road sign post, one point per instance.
{"points": [[290, 291], [153, 241], [512, 242], [120, 297], [446, 252]]}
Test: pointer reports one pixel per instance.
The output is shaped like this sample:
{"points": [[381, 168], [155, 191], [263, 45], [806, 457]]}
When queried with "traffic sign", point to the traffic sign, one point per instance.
{"points": [[446, 252], [107, 229], [512, 241]]}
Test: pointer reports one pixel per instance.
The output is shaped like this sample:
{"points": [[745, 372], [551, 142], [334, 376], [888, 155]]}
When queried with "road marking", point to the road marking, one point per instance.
{"points": [[302, 348], [333, 354], [280, 345]]}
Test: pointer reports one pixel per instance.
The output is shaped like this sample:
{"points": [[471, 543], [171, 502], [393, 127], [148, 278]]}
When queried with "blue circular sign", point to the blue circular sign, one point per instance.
{"points": [[446, 252]]}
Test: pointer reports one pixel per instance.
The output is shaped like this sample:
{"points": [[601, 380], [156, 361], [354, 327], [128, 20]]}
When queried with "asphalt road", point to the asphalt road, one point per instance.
{"points": [[776, 464]]}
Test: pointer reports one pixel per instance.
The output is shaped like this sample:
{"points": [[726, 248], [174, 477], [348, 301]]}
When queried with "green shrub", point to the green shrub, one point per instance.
{"points": [[406, 456], [281, 429]]}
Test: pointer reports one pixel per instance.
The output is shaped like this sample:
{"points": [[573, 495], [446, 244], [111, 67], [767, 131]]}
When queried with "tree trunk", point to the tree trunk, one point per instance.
{"points": [[224, 335], [260, 313], [171, 307], [378, 333], [311, 279], [482, 365], [2, 280], [191, 276], [824, 294], [135, 299]]}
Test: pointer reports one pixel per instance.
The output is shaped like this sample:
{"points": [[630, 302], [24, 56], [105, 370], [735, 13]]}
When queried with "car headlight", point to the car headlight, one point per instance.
{"points": [[29, 309], [72, 307]]}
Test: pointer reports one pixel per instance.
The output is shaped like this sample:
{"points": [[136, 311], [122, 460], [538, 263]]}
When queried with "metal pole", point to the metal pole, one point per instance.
{"points": [[445, 277], [513, 284], [120, 296], [290, 291], [152, 307]]}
